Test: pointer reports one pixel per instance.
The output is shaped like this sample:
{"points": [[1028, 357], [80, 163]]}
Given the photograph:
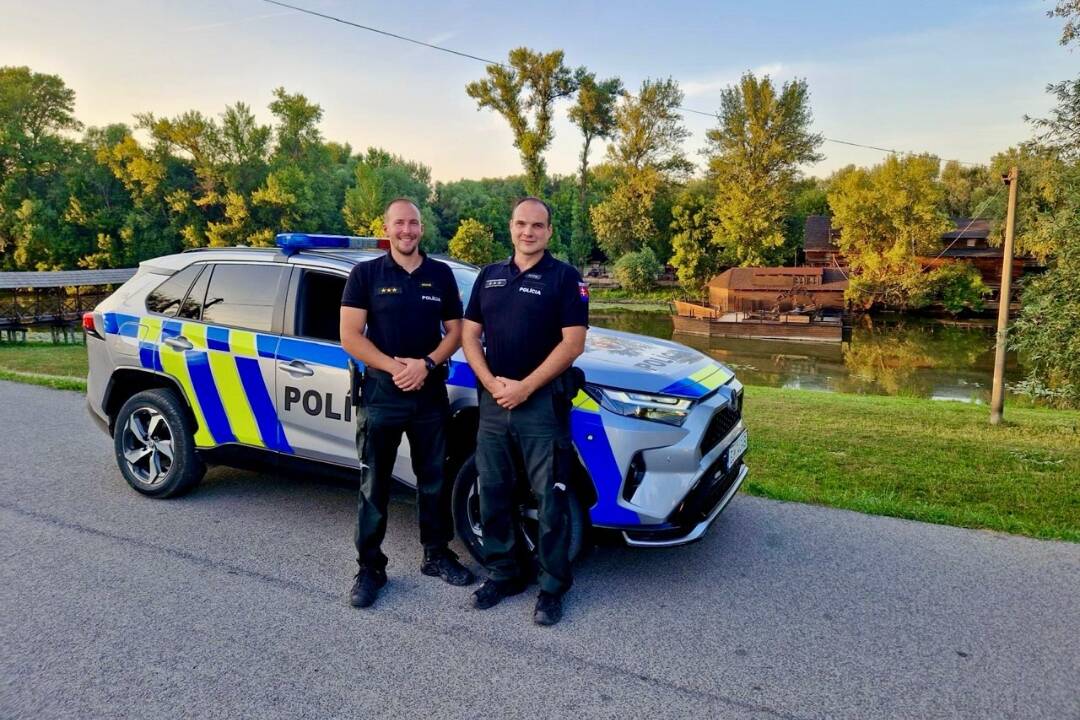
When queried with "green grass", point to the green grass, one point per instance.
{"points": [[656, 301], [44, 358], [60, 366], [53, 381], [939, 462]]}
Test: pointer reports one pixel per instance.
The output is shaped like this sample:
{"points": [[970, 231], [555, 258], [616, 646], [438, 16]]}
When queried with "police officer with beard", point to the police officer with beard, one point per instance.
{"points": [[533, 313], [404, 299]]}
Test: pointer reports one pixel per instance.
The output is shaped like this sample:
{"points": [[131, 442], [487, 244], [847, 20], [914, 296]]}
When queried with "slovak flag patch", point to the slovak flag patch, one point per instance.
{"points": [[583, 291]]}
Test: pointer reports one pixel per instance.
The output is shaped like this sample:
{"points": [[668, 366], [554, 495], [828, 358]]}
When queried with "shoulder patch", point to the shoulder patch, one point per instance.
{"points": [[583, 291]]}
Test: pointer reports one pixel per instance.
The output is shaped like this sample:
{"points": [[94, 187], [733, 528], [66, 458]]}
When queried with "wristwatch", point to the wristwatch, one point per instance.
{"points": [[429, 363]]}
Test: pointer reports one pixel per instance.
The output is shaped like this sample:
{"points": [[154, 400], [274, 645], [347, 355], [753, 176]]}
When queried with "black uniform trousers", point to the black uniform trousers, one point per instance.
{"points": [[385, 413], [537, 434]]}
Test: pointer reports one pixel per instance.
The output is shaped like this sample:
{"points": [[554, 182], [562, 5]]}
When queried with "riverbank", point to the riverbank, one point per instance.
{"points": [[938, 462], [654, 301]]}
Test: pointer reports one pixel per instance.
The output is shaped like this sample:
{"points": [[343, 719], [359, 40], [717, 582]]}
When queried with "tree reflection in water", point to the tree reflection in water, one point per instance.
{"points": [[896, 356]]}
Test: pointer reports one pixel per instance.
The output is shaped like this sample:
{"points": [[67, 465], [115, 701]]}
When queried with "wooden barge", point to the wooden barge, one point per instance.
{"points": [[799, 326]]}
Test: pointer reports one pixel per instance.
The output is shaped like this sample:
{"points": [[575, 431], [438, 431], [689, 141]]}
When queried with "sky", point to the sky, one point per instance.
{"points": [[952, 78]]}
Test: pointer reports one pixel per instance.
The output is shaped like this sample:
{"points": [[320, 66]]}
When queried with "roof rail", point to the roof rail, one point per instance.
{"points": [[228, 247]]}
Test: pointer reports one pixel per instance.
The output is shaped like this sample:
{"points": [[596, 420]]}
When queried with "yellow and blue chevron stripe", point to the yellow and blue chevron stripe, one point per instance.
{"points": [[219, 376], [700, 383]]}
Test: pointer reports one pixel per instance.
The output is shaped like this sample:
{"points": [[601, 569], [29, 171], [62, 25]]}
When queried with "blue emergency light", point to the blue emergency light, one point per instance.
{"points": [[292, 243]]}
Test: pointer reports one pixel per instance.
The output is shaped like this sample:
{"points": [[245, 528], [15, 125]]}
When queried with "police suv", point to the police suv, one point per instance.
{"points": [[212, 354]]}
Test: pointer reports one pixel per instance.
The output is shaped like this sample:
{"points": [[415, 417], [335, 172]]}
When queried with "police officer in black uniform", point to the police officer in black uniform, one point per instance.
{"points": [[533, 313], [404, 299]]}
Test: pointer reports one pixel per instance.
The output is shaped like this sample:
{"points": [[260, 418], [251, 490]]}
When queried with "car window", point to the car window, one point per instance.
{"points": [[465, 278], [191, 309], [165, 299], [318, 305], [243, 296]]}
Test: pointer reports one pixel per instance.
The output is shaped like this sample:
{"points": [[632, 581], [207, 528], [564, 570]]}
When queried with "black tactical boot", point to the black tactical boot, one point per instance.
{"points": [[548, 609], [366, 587], [444, 564]]}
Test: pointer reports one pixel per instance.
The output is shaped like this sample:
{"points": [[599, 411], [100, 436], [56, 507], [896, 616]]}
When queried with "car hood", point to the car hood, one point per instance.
{"points": [[646, 364]]}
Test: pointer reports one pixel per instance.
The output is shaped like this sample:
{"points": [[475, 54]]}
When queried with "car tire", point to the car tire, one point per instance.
{"points": [[151, 425], [466, 509]]}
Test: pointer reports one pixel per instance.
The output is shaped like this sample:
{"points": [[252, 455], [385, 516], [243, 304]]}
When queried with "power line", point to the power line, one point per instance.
{"points": [[486, 61], [383, 32]]}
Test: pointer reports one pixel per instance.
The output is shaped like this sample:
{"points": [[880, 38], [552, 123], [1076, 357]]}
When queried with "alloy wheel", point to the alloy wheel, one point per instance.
{"points": [[148, 446]]}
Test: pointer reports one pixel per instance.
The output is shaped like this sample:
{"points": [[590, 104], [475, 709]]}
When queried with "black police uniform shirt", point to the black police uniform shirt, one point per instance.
{"points": [[405, 310], [523, 313]]}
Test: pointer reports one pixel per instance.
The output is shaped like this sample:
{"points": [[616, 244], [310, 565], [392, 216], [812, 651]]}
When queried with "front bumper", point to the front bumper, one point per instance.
{"points": [[695, 515]]}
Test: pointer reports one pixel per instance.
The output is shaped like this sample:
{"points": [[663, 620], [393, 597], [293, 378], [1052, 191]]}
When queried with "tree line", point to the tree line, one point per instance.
{"points": [[112, 196]]}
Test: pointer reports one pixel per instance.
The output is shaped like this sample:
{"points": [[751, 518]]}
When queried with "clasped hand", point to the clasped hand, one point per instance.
{"points": [[411, 375], [509, 393]]}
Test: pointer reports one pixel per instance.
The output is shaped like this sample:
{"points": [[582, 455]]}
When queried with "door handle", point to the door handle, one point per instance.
{"points": [[179, 342], [296, 368]]}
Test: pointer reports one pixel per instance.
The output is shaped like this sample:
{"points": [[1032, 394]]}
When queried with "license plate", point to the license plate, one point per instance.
{"points": [[738, 447]]}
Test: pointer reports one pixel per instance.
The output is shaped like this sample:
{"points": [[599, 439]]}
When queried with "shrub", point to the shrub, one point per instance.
{"points": [[637, 271], [473, 243]]}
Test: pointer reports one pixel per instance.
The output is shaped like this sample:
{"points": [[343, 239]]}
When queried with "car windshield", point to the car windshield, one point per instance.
{"points": [[465, 278]]}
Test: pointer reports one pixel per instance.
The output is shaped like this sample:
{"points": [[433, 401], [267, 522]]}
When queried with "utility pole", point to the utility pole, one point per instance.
{"points": [[997, 399]]}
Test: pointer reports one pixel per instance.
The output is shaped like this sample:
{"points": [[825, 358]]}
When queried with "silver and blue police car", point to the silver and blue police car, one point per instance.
{"points": [[211, 355]]}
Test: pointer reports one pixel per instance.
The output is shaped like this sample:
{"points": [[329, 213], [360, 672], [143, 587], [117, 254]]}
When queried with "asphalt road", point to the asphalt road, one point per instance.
{"points": [[231, 602]]}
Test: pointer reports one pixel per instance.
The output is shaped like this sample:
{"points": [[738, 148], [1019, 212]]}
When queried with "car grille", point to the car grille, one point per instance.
{"points": [[720, 425]]}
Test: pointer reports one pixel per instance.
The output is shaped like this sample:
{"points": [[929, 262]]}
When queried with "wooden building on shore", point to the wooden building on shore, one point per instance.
{"points": [[967, 242], [772, 303], [781, 289]]}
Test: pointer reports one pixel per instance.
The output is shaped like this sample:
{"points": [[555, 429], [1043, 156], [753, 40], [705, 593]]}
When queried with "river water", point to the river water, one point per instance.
{"points": [[902, 356]]}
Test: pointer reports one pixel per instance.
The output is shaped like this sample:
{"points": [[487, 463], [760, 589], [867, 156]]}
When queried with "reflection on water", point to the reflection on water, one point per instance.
{"points": [[909, 357]]}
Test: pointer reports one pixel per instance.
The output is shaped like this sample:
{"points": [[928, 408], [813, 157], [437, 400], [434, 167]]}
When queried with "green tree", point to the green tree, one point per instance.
{"points": [[645, 157], [637, 271], [697, 260], [594, 114], [305, 188], [35, 111], [1041, 195], [530, 83], [473, 243], [297, 132], [888, 217], [958, 286], [624, 221], [649, 130], [966, 188], [754, 154], [379, 178], [1061, 130], [488, 200], [1047, 332]]}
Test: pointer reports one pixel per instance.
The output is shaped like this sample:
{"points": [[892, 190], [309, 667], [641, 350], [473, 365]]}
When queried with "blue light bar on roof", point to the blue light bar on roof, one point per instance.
{"points": [[295, 242]]}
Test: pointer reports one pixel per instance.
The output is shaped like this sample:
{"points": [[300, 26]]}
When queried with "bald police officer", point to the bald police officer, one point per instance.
{"points": [[404, 299], [533, 313]]}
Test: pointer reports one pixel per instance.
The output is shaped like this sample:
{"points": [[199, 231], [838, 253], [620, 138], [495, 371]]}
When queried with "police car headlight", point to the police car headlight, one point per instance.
{"points": [[661, 408]]}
